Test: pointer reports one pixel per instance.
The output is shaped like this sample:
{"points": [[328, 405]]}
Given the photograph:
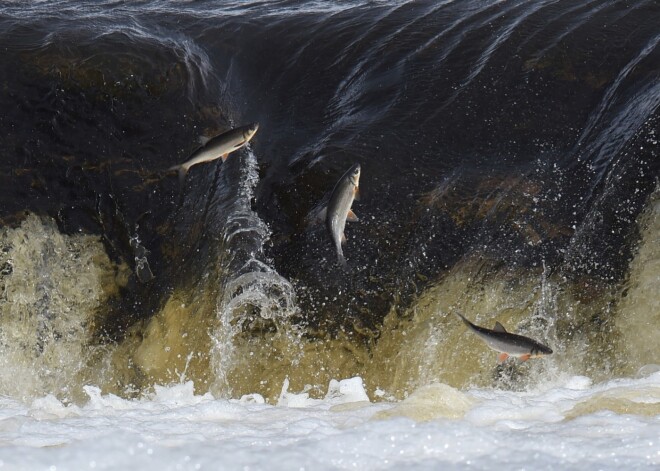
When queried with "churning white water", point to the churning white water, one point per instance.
{"points": [[570, 424]]}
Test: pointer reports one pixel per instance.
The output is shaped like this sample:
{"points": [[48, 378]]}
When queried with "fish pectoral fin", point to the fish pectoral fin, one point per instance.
{"points": [[525, 357], [182, 171], [343, 238], [501, 358], [351, 216], [499, 327], [342, 261], [356, 193], [224, 156]]}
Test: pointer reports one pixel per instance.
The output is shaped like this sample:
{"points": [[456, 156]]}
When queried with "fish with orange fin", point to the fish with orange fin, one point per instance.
{"points": [[506, 343], [339, 209]]}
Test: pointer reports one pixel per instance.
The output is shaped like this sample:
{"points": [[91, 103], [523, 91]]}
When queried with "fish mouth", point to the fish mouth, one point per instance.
{"points": [[541, 353], [544, 351], [251, 131], [355, 174]]}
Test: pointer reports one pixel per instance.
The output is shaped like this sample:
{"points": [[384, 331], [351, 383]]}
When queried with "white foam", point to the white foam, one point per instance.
{"points": [[345, 391], [339, 392], [438, 427]]}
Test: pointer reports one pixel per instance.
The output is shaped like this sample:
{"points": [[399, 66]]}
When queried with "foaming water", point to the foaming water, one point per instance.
{"points": [[53, 291], [566, 424]]}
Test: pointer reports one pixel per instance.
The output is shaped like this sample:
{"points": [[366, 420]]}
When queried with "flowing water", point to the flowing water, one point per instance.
{"points": [[510, 171]]}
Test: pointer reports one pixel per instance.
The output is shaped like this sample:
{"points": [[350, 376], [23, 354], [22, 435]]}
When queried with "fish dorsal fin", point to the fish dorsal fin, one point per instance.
{"points": [[351, 216], [499, 327], [316, 216]]}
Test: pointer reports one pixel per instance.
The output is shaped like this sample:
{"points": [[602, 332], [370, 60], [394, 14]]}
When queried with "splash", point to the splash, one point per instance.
{"points": [[639, 310], [255, 301], [53, 291]]}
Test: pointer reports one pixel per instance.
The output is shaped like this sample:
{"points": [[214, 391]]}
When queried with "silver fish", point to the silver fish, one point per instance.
{"points": [[339, 210], [506, 343], [218, 147]]}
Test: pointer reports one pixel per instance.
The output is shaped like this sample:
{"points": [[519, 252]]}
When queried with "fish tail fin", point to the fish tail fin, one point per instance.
{"points": [[340, 256], [182, 171], [462, 317], [342, 261]]}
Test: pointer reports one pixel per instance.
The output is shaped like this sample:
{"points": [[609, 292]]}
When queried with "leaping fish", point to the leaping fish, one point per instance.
{"points": [[506, 343], [218, 147], [339, 210]]}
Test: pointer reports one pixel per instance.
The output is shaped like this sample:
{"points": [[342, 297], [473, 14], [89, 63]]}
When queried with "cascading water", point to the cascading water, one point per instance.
{"points": [[255, 299], [508, 150]]}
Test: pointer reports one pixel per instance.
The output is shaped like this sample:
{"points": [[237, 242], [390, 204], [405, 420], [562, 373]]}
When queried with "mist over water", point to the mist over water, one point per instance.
{"points": [[509, 155]]}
